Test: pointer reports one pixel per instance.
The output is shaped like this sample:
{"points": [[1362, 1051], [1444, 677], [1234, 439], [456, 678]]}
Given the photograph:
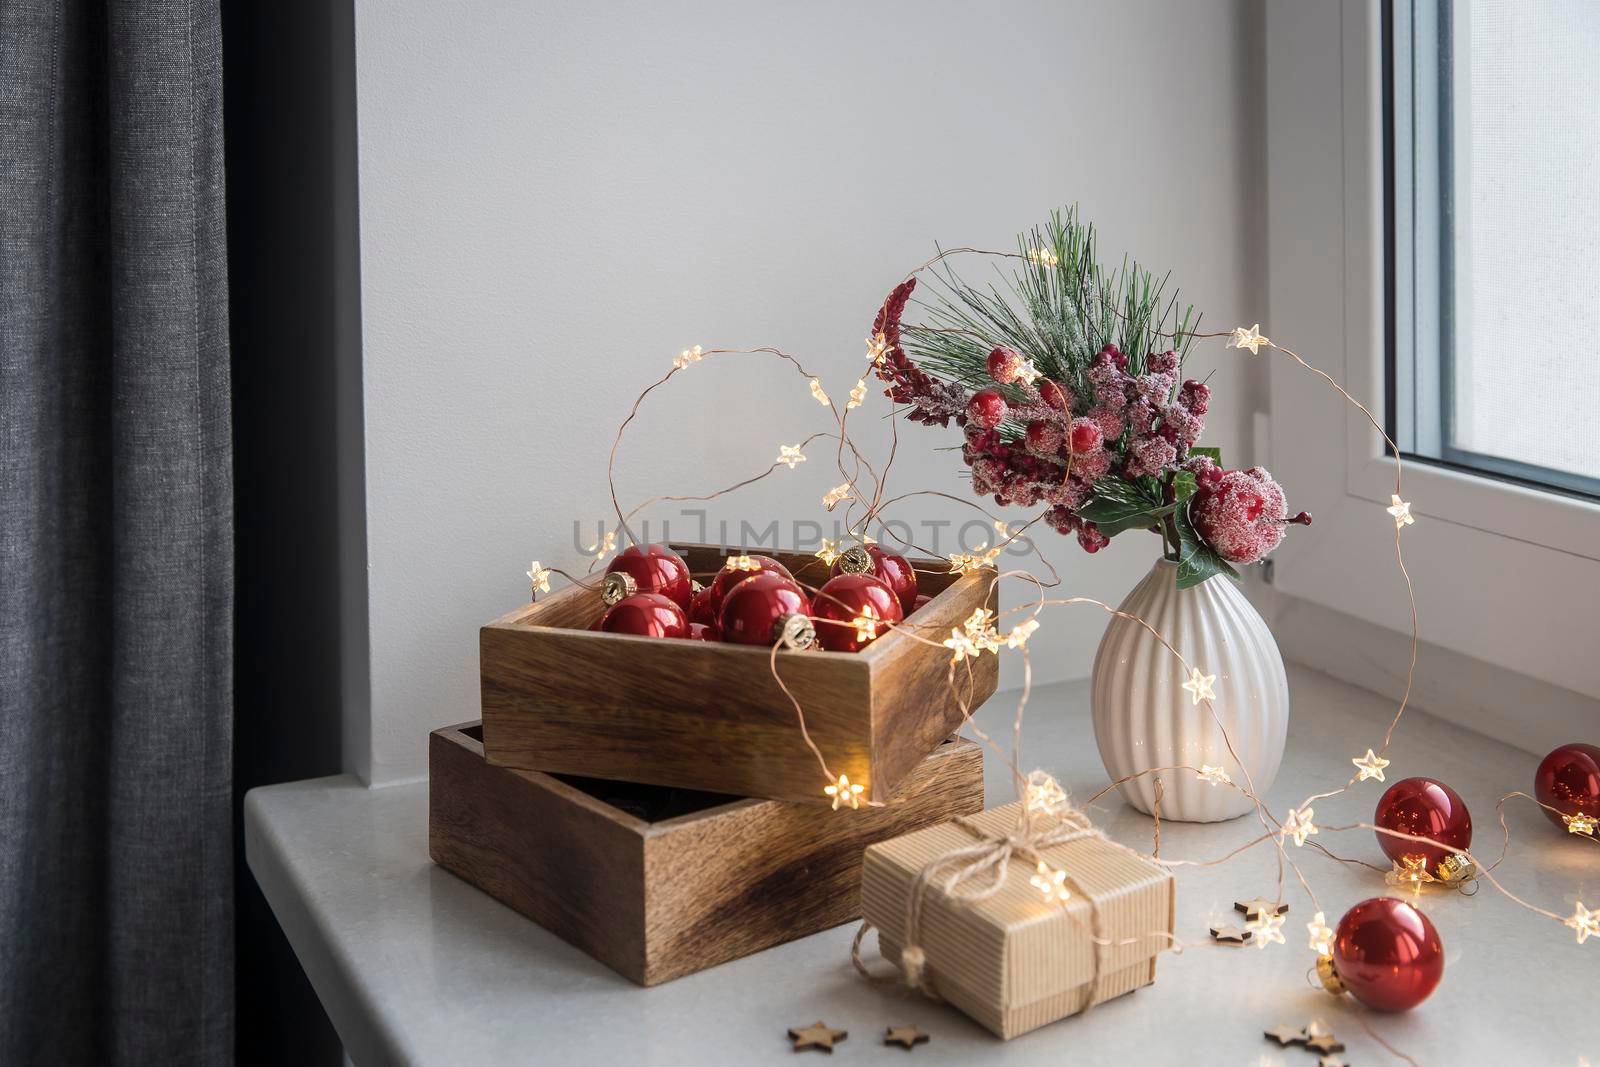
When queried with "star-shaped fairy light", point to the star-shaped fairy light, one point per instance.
{"points": [[789, 454], [1370, 766], [966, 562], [816, 391], [1265, 929], [1027, 374], [1299, 825], [741, 562], [1251, 339], [1214, 775], [539, 576], [603, 547], [1043, 257], [867, 624], [1580, 823], [832, 497], [1321, 934], [1199, 685], [857, 395], [1045, 793], [877, 347], [1585, 922], [1021, 632], [1051, 883], [688, 356], [1401, 510], [844, 792], [828, 552], [976, 636], [1409, 870]]}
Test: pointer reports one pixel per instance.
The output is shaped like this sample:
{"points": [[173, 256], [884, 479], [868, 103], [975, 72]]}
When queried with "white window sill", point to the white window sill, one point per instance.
{"points": [[416, 966]]}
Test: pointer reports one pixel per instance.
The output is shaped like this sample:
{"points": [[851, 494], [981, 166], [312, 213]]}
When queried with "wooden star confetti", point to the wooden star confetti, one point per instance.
{"points": [[789, 454], [1267, 930], [1321, 934], [818, 1035], [905, 1037], [1233, 935], [1286, 1035], [1199, 686], [540, 577], [1401, 510], [845, 792], [1333, 1061], [1299, 825], [1321, 1040], [1258, 906], [1251, 339], [1579, 823], [1584, 921], [1370, 766]]}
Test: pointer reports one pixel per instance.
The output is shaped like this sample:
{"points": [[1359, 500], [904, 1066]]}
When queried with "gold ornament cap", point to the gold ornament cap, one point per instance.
{"points": [[616, 586], [856, 560], [1457, 868], [1328, 974], [794, 631]]}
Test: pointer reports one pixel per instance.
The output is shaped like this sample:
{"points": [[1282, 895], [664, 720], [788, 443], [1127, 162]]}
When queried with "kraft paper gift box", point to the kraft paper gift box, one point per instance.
{"points": [[1015, 960]]}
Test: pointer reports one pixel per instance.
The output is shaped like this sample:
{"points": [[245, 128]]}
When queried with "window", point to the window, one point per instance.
{"points": [[1493, 210]]}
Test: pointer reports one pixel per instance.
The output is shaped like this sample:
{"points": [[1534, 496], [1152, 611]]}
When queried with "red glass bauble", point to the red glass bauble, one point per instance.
{"points": [[1388, 954], [756, 610], [652, 569], [646, 615], [1428, 809], [1569, 780], [920, 603], [702, 608], [735, 570], [699, 631], [847, 598], [894, 570]]}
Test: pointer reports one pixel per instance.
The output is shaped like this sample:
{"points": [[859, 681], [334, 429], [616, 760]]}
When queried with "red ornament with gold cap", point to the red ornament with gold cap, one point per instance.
{"points": [[735, 569], [646, 615], [1426, 808], [647, 569], [1568, 779], [767, 609], [893, 570], [853, 610], [1385, 953]]}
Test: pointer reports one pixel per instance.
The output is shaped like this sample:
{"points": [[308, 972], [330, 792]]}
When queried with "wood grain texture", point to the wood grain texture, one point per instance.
{"points": [[658, 900], [559, 697]]}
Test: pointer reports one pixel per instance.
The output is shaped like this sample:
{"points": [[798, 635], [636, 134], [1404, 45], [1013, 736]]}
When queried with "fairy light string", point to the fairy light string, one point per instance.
{"points": [[980, 634]]}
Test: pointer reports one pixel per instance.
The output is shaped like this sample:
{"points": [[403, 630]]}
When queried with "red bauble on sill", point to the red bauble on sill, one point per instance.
{"points": [[1388, 954], [646, 615], [853, 610], [1426, 808], [767, 609], [1568, 779], [647, 569]]}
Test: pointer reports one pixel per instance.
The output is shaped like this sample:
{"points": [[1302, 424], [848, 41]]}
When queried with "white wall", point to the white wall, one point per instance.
{"points": [[555, 200]]}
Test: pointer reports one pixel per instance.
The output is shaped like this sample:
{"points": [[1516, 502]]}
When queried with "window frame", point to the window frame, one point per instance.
{"points": [[1427, 242]]}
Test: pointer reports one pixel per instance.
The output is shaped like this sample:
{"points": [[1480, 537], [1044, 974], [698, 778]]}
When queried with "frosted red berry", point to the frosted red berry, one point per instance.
{"points": [[987, 408], [1240, 515], [1005, 364], [1043, 437], [1086, 436]]}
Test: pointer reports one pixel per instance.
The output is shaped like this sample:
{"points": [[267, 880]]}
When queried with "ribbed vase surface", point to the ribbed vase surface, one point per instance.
{"points": [[1143, 718]]}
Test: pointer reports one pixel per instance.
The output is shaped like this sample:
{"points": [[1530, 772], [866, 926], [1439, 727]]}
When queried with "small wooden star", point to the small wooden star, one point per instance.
{"points": [[1234, 935], [1333, 1061], [1286, 1035], [818, 1035], [1259, 906], [1323, 1042], [905, 1037]]}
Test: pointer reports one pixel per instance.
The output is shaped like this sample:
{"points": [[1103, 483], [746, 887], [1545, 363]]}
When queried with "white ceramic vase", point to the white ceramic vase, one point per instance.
{"points": [[1143, 718]]}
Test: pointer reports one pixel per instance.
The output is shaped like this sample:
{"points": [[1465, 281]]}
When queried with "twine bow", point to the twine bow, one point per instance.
{"points": [[960, 874]]}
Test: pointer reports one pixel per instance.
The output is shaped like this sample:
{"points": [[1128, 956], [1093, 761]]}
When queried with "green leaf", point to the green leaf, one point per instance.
{"points": [[1197, 561], [1116, 502], [1209, 450], [1183, 486]]}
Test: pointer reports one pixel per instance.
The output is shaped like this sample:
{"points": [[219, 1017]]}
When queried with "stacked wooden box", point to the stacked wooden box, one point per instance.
{"points": [[653, 802]]}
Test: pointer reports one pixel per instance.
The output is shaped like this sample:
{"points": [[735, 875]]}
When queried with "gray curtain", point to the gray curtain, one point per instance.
{"points": [[115, 536]]}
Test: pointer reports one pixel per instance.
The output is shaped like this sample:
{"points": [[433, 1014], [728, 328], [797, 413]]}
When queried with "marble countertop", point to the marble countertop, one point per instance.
{"points": [[416, 966]]}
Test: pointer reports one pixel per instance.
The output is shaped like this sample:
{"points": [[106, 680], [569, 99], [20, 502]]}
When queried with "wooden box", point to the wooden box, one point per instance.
{"points": [[658, 882], [700, 715]]}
